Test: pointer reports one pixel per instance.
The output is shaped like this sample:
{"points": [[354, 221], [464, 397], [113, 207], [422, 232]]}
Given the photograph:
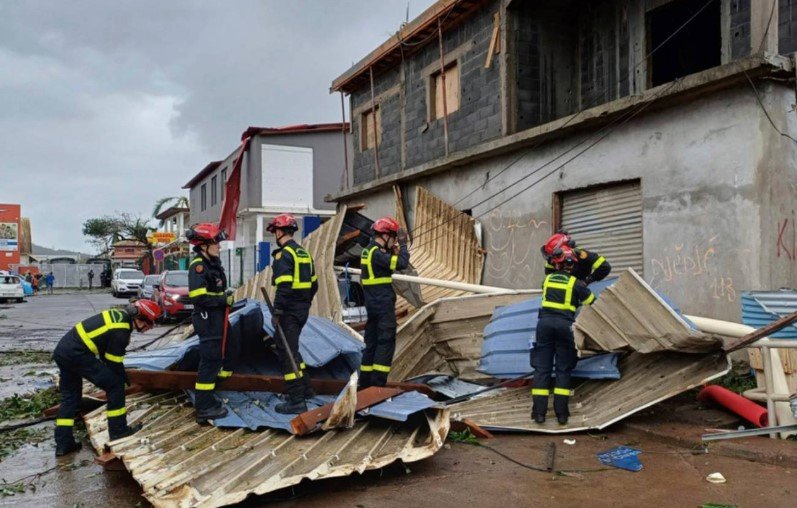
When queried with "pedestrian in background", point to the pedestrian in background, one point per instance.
{"points": [[50, 280], [34, 281], [29, 278], [91, 278]]}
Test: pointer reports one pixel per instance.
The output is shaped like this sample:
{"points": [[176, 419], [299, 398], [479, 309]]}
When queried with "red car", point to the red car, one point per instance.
{"points": [[171, 293]]}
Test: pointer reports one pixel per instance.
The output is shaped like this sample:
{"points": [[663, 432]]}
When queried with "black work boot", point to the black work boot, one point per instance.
{"points": [[364, 381], [538, 418], [309, 393], [560, 406], [126, 432], [562, 419], [294, 402], [67, 448], [212, 413], [539, 408]]}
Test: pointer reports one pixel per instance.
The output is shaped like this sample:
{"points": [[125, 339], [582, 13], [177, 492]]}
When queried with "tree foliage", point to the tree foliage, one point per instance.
{"points": [[103, 231], [161, 205]]}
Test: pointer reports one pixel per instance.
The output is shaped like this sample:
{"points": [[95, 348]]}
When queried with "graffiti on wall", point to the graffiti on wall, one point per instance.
{"points": [[786, 245], [692, 265], [513, 244]]}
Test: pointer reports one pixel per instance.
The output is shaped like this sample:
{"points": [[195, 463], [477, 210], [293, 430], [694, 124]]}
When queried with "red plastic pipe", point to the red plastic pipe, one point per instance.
{"points": [[745, 408]]}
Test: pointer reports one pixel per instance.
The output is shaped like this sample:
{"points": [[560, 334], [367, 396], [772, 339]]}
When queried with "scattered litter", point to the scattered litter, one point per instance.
{"points": [[716, 478], [570, 442], [621, 457]]}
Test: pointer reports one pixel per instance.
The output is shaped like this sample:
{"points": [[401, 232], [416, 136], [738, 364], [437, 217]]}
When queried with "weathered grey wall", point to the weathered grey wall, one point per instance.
{"points": [[709, 204], [213, 212], [477, 119]]}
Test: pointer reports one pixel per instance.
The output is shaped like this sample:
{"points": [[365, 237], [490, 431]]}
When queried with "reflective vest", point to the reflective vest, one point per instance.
{"points": [[369, 277], [303, 274], [89, 330]]}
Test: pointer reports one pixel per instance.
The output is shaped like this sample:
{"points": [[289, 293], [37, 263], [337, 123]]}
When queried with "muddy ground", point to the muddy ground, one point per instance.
{"points": [[460, 475]]}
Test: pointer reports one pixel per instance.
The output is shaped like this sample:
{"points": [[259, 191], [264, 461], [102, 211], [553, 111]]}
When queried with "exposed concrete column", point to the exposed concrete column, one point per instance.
{"points": [[763, 14], [259, 229], [180, 224]]}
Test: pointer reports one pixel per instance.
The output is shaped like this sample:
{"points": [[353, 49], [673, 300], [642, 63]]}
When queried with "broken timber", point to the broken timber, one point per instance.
{"points": [[309, 420], [184, 380]]}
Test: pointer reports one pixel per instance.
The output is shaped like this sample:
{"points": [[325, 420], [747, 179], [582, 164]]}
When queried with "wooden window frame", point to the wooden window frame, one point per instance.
{"points": [[366, 129], [431, 91]]}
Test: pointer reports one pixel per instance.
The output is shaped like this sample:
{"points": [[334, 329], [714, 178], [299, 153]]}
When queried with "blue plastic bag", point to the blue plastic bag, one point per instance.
{"points": [[621, 457]]}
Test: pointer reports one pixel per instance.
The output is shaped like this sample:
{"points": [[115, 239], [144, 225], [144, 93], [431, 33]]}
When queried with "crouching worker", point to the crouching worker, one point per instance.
{"points": [[297, 283], [562, 294], [94, 349]]}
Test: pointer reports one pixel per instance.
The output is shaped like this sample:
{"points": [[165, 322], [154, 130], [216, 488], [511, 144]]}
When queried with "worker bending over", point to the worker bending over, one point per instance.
{"points": [[297, 283], [562, 294], [207, 286], [590, 266], [94, 349], [386, 253]]}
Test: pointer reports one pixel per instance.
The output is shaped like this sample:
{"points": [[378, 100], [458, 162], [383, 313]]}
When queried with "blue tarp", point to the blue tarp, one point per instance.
{"points": [[621, 457]]}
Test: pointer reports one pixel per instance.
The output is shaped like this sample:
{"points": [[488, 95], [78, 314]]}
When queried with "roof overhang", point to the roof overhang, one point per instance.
{"points": [[202, 174]]}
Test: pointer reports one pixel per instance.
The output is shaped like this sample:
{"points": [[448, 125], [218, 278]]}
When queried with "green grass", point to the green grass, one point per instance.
{"points": [[738, 380], [463, 437], [31, 405], [25, 357]]}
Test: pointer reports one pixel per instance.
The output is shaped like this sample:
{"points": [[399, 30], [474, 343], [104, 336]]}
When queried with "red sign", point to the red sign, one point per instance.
{"points": [[9, 235]]}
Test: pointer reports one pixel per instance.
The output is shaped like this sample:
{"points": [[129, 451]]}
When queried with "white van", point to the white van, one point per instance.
{"points": [[11, 288], [126, 281]]}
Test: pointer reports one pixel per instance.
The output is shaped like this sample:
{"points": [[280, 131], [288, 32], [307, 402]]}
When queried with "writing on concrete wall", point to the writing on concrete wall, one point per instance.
{"points": [[786, 246], [513, 244], [693, 266]]}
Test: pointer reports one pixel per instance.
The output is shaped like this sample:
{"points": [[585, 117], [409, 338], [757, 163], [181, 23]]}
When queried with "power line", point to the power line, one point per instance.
{"points": [[764, 109]]}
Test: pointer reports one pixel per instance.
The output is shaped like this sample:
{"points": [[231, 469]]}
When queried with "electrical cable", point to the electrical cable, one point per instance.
{"points": [[764, 109]]}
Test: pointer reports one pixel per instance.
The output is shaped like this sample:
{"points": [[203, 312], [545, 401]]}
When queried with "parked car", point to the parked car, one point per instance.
{"points": [[171, 293], [126, 281], [148, 286], [11, 288]]}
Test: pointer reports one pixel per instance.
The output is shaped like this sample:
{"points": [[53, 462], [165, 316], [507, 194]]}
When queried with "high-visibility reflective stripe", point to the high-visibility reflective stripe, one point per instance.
{"points": [[549, 265], [302, 366], [540, 391], [365, 264], [551, 282], [225, 373], [204, 291], [114, 358], [598, 262], [366, 368], [300, 257], [562, 391], [111, 413], [393, 262], [112, 319], [381, 368], [290, 376], [283, 278], [589, 300], [205, 386], [195, 261], [65, 422]]}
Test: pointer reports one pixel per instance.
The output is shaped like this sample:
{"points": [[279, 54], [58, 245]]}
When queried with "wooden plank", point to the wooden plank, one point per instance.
{"points": [[468, 424], [184, 380], [110, 462], [310, 420], [348, 236], [493, 40], [761, 333]]}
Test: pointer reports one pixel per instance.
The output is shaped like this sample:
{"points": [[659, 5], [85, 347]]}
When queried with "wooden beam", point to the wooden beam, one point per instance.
{"points": [[348, 236], [184, 380], [310, 420], [468, 424], [494, 45], [760, 333], [110, 462]]}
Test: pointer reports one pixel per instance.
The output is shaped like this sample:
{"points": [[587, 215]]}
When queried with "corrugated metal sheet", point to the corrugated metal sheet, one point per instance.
{"points": [[607, 220], [400, 407], [448, 386], [510, 335], [760, 308], [630, 316], [180, 463], [647, 379], [445, 247], [446, 336], [321, 245]]}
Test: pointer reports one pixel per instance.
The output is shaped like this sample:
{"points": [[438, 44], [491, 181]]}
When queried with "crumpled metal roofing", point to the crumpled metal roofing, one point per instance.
{"points": [[180, 463], [510, 335], [760, 308], [400, 407], [631, 316], [446, 385]]}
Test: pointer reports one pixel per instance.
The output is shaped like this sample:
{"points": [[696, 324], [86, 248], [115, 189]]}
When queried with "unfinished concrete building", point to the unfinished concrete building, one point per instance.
{"points": [[659, 132]]}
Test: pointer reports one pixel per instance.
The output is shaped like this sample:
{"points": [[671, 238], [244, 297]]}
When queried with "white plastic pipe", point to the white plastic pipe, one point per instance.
{"points": [[450, 284]]}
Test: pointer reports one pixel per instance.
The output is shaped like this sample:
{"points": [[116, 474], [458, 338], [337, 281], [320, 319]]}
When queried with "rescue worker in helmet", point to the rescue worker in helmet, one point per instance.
{"points": [[386, 254], [590, 266], [207, 289], [94, 349], [562, 294], [293, 275]]}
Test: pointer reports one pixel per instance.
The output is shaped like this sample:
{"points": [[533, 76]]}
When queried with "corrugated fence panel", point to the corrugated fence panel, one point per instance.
{"points": [[760, 308], [609, 221]]}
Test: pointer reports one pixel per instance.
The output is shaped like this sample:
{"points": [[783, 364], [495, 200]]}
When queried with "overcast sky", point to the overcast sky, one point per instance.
{"points": [[108, 106]]}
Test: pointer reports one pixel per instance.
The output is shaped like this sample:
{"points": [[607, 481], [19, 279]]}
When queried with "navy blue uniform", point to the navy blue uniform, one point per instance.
{"points": [[378, 265], [590, 267], [293, 274], [562, 294], [93, 349], [207, 284]]}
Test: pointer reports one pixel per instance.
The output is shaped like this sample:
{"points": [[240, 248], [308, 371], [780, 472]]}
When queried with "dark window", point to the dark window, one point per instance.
{"points": [[696, 47], [214, 197], [204, 197], [223, 182]]}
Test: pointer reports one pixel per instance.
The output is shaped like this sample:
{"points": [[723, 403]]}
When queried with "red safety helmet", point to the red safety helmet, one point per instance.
{"points": [[386, 225], [284, 221], [147, 310], [563, 256], [556, 241], [205, 233]]}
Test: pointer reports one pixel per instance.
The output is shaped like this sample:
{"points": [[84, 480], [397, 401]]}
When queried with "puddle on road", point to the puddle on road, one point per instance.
{"points": [[25, 378]]}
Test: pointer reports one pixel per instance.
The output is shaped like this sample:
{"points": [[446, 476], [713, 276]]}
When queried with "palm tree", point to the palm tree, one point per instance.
{"points": [[160, 205]]}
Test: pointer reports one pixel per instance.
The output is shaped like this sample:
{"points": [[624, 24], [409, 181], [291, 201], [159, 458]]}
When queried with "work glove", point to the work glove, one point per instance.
{"points": [[230, 297], [401, 236], [588, 280]]}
